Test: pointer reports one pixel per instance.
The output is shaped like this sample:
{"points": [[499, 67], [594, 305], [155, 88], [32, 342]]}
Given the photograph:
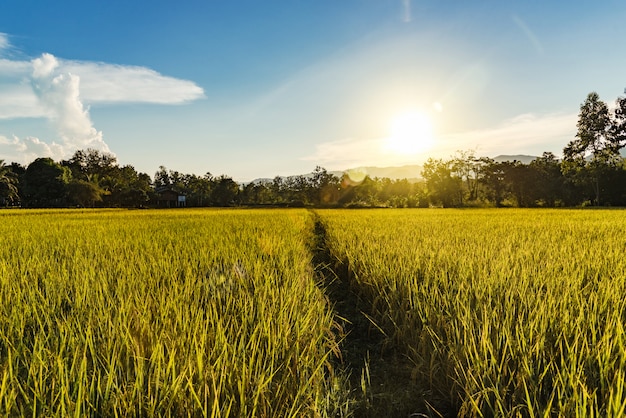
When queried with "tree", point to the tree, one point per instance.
{"points": [[550, 184], [84, 193], [45, 184], [618, 125], [8, 184], [595, 150], [162, 178], [443, 189], [324, 187], [494, 177], [90, 164], [467, 167], [225, 191]]}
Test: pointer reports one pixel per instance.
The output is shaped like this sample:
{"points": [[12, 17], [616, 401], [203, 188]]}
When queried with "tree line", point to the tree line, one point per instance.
{"points": [[591, 172]]}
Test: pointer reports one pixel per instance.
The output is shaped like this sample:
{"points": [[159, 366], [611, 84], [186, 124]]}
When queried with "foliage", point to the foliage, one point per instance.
{"points": [[595, 151], [45, 184], [8, 185], [204, 312], [443, 188]]}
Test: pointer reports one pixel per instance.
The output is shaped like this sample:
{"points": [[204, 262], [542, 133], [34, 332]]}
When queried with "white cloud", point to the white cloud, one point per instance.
{"points": [[108, 83], [348, 152], [99, 83], [4, 41], [523, 134], [56, 89], [25, 150], [60, 96]]}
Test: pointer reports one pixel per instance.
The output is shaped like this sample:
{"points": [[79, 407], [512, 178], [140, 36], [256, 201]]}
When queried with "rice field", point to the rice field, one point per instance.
{"points": [[501, 313], [157, 313], [218, 313]]}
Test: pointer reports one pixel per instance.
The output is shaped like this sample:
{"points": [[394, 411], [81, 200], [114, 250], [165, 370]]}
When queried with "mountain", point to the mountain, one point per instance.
{"points": [[524, 159], [409, 172]]}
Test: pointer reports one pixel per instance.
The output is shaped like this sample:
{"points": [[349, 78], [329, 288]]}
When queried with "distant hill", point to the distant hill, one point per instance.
{"points": [[409, 172], [524, 159]]}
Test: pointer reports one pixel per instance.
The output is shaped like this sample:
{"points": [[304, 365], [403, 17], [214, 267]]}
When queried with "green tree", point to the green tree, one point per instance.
{"points": [[8, 184], [442, 188], [618, 123], [494, 177], [162, 178], [467, 167], [45, 184], [324, 187], [91, 164], [84, 193], [595, 150], [549, 186], [225, 191]]}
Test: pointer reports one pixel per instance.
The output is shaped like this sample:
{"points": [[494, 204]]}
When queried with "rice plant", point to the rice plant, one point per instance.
{"points": [[162, 313], [501, 313]]}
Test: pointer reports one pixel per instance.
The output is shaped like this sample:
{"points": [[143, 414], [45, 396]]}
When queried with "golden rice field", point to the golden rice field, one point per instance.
{"points": [[221, 312], [501, 313]]}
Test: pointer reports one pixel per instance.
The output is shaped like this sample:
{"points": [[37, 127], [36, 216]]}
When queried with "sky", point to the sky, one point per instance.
{"points": [[256, 89]]}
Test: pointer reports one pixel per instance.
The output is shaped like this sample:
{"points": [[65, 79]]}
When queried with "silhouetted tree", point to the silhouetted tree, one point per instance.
{"points": [[225, 191], [495, 179], [549, 183], [162, 178], [45, 184], [443, 189], [595, 150], [83, 193], [8, 185]]}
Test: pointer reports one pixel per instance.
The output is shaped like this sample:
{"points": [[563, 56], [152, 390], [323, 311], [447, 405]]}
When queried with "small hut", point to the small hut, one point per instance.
{"points": [[168, 197]]}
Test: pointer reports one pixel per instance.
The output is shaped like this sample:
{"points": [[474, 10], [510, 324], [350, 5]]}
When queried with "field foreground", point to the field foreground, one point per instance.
{"points": [[301, 313]]}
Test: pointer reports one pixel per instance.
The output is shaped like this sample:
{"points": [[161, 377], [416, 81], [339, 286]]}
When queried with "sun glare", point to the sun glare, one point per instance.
{"points": [[410, 133]]}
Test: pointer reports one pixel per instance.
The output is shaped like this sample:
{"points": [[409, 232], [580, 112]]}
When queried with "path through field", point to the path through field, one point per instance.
{"points": [[380, 378]]}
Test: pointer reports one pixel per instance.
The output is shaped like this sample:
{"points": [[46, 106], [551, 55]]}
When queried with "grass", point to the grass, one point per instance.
{"points": [[205, 313], [507, 313], [285, 313]]}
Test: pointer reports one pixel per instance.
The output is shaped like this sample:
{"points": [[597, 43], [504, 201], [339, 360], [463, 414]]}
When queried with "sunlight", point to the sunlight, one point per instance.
{"points": [[410, 133]]}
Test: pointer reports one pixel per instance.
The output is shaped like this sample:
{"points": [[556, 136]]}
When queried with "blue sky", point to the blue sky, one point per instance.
{"points": [[263, 88]]}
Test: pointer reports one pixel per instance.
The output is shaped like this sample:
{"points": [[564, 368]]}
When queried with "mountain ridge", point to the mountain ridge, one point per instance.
{"points": [[411, 172]]}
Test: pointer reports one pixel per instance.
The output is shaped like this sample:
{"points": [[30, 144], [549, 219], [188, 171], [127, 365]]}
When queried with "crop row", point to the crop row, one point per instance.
{"points": [[146, 313], [505, 313], [225, 313]]}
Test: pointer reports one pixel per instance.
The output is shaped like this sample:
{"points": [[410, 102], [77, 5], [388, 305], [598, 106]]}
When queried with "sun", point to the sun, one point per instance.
{"points": [[410, 133]]}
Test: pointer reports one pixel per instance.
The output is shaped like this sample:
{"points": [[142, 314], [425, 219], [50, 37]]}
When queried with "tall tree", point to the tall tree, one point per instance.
{"points": [[595, 149], [618, 125], [45, 184], [8, 184], [162, 178], [494, 177], [550, 185], [443, 189], [225, 191], [467, 167]]}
